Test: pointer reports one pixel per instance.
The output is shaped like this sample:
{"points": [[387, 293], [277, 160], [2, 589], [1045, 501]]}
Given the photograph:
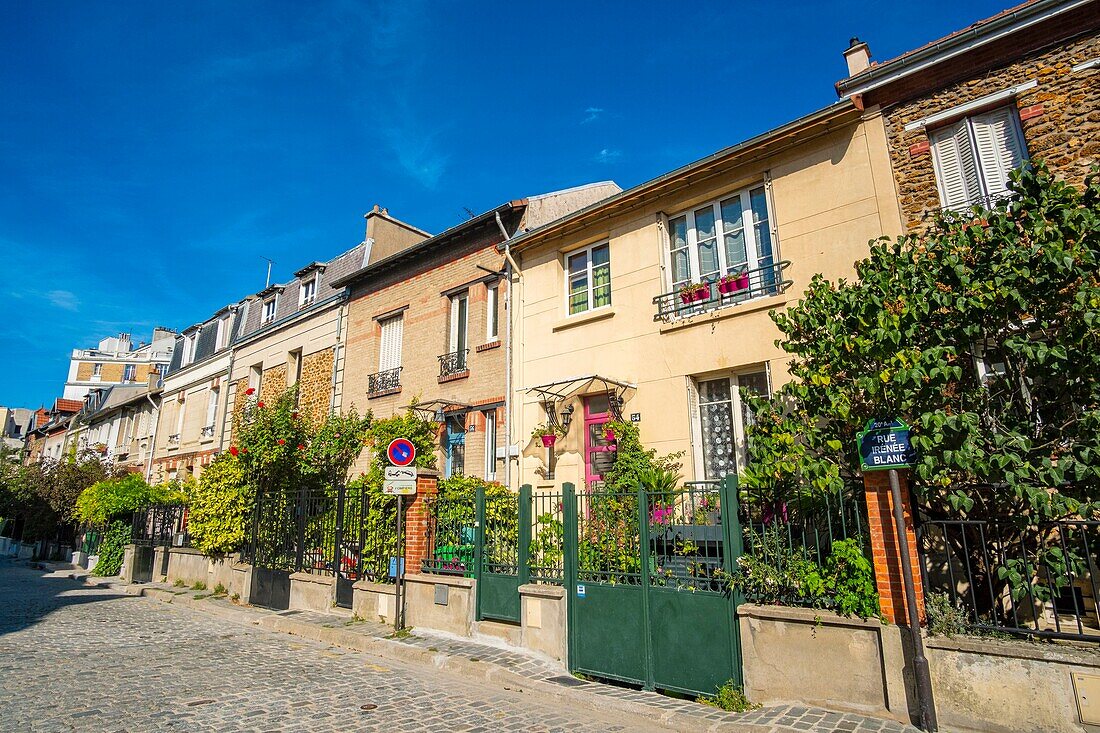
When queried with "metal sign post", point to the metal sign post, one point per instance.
{"points": [[399, 562]]}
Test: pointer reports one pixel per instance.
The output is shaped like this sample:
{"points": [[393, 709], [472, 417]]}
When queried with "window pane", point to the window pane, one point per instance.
{"points": [[601, 279], [708, 259], [681, 268], [678, 232], [704, 224], [762, 232], [716, 427], [578, 263], [578, 293], [733, 226], [601, 256]]}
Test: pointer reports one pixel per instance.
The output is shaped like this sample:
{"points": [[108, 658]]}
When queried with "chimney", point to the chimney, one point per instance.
{"points": [[858, 56]]}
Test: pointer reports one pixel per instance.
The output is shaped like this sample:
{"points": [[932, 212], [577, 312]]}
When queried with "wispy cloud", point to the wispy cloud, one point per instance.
{"points": [[608, 155], [592, 114], [63, 299]]}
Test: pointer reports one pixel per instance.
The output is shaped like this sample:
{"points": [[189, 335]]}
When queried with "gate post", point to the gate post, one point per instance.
{"points": [[338, 532], [569, 564], [523, 569], [886, 549], [643, 556], [733, 541], [417, 516], [479, 545]]}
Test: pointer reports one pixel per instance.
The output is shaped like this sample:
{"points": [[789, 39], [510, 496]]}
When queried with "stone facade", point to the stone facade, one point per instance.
{"points": [[315, 389], [1060, 119], [273, 383]]}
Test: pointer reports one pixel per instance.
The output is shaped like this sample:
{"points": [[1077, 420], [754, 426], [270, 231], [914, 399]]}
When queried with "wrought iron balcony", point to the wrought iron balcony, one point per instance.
{"points": [[174, 439], [760, 283], [207, 432], [453, 363], [384, 381]]}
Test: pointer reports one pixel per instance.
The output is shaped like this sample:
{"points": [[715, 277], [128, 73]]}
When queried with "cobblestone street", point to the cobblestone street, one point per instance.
{"points": [[75, 658]]}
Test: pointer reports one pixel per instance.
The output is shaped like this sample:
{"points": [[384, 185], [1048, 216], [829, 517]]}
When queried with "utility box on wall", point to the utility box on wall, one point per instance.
{"points": [[1087, 688]]}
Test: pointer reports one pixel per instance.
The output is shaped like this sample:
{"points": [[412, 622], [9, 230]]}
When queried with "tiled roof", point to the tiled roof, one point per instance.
{"points": [[63, 405]]}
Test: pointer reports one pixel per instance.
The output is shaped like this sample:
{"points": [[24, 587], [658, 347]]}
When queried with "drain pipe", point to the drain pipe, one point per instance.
{"points": [[510, 266], [153, 440]]}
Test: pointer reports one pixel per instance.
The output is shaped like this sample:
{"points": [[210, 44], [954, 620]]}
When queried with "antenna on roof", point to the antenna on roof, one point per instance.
{"points": [[469, 212], [270, 262]]}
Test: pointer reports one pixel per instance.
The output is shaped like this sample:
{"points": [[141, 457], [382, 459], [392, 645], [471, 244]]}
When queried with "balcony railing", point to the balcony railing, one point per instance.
{"points": [[453, 363], [762, 282], [384, 381], [207, 432], [174, 439]]}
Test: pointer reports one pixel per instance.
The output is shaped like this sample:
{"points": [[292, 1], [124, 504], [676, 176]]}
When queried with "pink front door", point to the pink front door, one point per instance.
{"points": [[598, 451]]}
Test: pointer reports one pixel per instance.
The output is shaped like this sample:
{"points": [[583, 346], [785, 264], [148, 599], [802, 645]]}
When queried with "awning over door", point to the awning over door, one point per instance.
{"points": [[553, 394]]}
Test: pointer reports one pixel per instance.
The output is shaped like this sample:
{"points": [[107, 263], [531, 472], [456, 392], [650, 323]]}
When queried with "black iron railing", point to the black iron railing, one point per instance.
{"points": [[174, 439], [966, 209], [207, 432], [384, 381], [160, 525], [452, 536], [1013, 575], [453, 363], [758, 283]]}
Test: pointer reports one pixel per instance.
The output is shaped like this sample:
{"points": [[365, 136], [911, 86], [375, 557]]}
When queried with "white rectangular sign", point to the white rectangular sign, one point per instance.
{"points": [[399, 488], [400, 473]]}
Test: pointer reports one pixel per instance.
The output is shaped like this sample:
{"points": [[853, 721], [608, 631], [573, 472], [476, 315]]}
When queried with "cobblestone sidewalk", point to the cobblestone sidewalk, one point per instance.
{"points": [[511, 668]]}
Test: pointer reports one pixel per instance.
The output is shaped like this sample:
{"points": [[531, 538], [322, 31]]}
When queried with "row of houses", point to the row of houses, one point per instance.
{"points": [[569, 309]]}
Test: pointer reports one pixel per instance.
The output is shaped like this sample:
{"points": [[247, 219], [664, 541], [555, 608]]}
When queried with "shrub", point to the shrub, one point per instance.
{"points": [[729, 697], [111, 549], [117, 497], [944, 617], [219, 507]]}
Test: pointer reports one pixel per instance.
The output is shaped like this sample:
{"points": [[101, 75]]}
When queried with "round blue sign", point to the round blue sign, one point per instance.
{"points": [[401, 452]]}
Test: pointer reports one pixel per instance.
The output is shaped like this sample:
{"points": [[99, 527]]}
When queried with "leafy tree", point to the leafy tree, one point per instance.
{"points": [[119, 497], [983, 334], [219, 506]]}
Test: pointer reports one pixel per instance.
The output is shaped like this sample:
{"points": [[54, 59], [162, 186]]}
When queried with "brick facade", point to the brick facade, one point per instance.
{"points": [[416, 522], [420, 292], [885, 547], [1060, 119]]}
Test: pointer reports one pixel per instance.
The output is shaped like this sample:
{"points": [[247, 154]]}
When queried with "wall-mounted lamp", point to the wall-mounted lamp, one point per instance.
{"points": [[439, 416], [566, 418]]}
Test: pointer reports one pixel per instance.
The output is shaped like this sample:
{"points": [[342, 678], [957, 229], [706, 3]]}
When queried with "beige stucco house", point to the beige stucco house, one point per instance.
{"points": [[601, 328]]}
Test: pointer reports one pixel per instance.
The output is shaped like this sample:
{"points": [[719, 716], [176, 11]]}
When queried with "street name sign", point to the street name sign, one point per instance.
{"points": [[885, 444]]}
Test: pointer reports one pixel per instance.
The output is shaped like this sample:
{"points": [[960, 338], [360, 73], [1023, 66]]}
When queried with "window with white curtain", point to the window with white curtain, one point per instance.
{"points": [[490, 445], [723, 421], [389, 355], [492, 320], [974, 156], [589, 278], [724, 237]]}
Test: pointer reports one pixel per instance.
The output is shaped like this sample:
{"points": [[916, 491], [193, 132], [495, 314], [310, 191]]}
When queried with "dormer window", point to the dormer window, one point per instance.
{"points": [[269, 309], [307, 293]]}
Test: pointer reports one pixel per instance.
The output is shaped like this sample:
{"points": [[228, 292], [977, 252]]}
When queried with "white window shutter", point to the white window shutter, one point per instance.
{"points": [[1000, 150], [390, 353], [956, 168]]}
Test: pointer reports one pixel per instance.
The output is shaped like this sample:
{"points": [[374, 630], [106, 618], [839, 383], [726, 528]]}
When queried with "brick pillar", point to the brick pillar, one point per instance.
{"points": [[416, 522], [884, 545]]}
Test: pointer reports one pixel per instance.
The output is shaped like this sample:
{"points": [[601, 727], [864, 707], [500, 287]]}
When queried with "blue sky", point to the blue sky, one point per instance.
{"points": [[151, 153]]}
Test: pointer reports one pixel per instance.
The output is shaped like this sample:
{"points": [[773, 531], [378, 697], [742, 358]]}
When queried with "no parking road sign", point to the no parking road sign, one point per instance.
{"points": [[401, 452]]}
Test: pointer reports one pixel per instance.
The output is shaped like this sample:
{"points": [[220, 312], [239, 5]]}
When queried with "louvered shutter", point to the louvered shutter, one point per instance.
{"points": [[1000, 150], [956, 168], [390, 355]]}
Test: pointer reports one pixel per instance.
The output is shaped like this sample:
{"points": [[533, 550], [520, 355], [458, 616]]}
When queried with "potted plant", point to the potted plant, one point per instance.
{"points": [[694, 292], [728, 284], [547, 433]]}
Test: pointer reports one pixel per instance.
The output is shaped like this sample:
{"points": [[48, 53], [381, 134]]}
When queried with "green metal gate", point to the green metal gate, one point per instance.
{"points": [[503, 538], [647, 602]]}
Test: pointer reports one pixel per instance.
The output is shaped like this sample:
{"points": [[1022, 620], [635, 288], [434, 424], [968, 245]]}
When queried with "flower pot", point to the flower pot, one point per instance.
{"points": [[548, 440], [687, 298], [742, 282], [701, 294]]}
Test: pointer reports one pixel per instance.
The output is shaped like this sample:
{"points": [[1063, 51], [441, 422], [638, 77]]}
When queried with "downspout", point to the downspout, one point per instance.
{"points": [[510, 266], [153, 440], [336, 351]]}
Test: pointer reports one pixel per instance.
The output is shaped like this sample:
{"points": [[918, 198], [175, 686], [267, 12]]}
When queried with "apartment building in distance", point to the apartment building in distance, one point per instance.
{"points": [[48, 439], [194, 397], [15, 423], [117, 422], [426, 328], [117, 360]]}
